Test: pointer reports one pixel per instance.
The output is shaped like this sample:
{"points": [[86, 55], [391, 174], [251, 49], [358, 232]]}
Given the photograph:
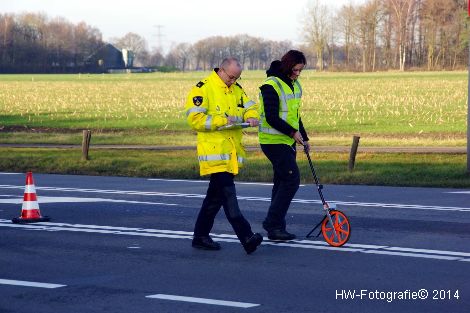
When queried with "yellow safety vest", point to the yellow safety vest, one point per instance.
{"points": [[207, 107], [289, 104]]}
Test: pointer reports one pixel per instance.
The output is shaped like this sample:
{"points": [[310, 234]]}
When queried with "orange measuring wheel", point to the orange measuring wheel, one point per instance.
{"points": [[338, 234], [335, 225]]}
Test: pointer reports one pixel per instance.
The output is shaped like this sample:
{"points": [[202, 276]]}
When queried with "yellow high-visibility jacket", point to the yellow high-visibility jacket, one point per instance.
{"points": [[289, 104], [207, 107]]}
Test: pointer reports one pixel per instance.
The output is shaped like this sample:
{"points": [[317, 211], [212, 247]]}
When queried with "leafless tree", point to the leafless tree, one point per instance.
{"points": [[316, 29], [368, 22], [346, 23], [403, 12]]}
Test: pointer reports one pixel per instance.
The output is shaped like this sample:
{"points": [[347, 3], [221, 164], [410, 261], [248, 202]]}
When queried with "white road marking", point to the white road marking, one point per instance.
{"points": [[303, 244], [464, 254], [28, 283], [465, 192], [75, 199], [415, 255], [207, 182], [263, 199], [181, 180], [203, 301]]}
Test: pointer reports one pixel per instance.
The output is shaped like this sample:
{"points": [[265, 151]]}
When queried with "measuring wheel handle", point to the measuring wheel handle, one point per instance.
{"points": [[335, 225]]}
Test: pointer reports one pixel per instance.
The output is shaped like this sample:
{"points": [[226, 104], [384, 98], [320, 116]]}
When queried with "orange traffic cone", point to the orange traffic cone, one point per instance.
{"points": [[30, 210]]}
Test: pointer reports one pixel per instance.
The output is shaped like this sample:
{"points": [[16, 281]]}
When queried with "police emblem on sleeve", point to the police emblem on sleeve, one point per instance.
{"points": [[197, 100]]}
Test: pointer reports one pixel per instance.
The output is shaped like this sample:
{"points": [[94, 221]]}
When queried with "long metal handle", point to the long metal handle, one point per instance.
{"points": [[317, 182]]}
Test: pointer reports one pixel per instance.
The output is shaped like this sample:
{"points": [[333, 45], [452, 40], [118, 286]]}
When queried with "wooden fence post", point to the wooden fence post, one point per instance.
{"points": [[352, 155], [86, 144]]}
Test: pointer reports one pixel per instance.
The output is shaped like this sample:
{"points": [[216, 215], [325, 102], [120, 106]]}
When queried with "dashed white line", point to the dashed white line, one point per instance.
{"points": [[235, 304], [464, 254], [29, 284], [80, 200], [414, 255], [207, 182], [180, 180]]}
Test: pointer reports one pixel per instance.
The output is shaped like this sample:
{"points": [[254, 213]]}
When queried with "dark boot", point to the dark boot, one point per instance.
{"points": [[252, 243], [205, 243], [280, 234]]}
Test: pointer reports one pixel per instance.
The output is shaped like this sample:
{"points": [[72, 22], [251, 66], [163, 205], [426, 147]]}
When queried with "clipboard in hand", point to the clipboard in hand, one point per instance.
{"points": [[234, 126]]}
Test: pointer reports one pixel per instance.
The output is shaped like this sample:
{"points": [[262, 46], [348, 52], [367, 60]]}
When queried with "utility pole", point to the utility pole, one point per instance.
{"points": [[159, 37]]}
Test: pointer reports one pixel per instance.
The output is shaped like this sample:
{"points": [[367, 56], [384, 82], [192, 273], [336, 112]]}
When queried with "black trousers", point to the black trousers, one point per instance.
{"points": [[286, 181], [221, 192]]}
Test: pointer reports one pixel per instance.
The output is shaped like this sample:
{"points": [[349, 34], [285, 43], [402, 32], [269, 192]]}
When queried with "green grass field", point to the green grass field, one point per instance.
{"points": [[384, 109], [417, 108]]}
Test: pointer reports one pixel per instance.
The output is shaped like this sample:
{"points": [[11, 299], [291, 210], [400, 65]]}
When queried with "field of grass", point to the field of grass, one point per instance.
{"points": [[384, 109], [416, 108]]}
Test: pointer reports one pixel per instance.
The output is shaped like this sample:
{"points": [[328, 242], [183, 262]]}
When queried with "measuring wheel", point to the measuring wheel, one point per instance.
{"points": [[337, 235]]}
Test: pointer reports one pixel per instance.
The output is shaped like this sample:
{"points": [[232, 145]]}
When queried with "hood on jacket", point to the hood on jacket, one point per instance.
{"points": [[274, 69]]}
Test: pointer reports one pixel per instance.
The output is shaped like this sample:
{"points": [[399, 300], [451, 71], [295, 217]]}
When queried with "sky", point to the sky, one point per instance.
{"points": [[168, 22]]}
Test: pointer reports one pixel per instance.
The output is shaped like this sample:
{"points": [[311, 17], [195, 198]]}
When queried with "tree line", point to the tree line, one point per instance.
{"points": [[30, 42], [389, 34], [375, 35]]}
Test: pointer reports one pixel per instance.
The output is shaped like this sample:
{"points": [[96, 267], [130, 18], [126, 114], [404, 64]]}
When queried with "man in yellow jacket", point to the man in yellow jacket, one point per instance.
{"points": [[217, 108]]}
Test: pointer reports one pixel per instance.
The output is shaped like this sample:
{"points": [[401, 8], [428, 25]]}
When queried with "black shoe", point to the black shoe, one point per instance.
{"points": [[252, 243], [205, 243], [279, 234]]}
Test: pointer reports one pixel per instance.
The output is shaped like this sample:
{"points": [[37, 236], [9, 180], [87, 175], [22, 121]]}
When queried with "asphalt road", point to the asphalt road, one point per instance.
{"points": [[119, 244]]}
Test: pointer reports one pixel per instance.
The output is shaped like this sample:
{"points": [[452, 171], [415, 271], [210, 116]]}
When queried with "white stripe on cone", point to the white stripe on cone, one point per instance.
{"points": [[30, 189]]}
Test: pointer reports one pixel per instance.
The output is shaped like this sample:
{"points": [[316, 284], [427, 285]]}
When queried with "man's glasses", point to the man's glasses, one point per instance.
{"points": [[231, 77]]}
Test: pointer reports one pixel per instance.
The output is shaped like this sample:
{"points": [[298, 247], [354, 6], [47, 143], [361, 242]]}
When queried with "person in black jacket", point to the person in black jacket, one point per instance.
{"points": [[280, 130]]}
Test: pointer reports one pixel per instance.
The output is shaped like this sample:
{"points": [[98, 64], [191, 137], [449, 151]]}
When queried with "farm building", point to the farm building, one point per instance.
{"points": [[109, 58]]}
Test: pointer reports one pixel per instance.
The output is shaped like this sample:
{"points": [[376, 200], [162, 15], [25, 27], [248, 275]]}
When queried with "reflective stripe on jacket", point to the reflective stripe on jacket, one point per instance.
{"points": [[289, 104], [207, 107]]}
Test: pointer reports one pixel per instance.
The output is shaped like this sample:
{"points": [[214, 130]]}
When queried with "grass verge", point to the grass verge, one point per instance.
{"points": [[386, 169], [188, 138]]}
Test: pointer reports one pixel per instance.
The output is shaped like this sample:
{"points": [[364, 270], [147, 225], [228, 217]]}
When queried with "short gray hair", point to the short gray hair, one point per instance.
{"points": [[229, 61]]}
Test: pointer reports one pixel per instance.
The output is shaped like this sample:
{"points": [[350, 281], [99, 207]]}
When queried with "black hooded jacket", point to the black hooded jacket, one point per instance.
{"points": [[271, 103]]}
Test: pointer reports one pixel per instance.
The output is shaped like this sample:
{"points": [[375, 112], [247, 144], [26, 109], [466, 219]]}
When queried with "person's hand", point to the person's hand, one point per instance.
{"points": [[253, 121], [231, 119], [298, 138]]}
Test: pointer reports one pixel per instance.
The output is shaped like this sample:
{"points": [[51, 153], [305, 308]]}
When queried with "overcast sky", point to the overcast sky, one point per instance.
{"points": [[178, 21]]}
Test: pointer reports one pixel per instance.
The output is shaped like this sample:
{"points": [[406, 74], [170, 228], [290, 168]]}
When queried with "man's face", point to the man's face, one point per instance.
{"points": [[230, 74]]}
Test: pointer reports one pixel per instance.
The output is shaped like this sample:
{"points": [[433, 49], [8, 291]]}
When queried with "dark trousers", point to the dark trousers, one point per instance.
{"points": [[221, 192], [286, 181]]}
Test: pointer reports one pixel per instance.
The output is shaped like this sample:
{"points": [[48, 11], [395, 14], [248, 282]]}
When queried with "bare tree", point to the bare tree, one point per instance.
{"points": [[316, 29], [346, 23], [184, 52], [156, 58], [403, 10], [368, 17], [135, 43]]}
